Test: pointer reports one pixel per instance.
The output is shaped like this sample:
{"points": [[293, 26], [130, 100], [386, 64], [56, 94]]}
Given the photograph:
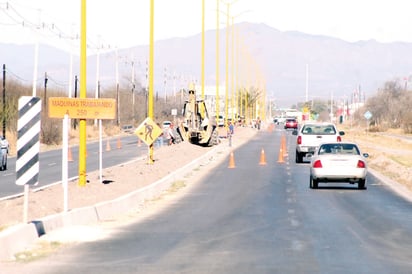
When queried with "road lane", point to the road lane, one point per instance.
{"points": [[257, 219], [50, 170]]}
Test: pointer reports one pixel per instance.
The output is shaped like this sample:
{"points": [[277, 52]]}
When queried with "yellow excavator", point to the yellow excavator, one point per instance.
{"points": [[196, 126]]}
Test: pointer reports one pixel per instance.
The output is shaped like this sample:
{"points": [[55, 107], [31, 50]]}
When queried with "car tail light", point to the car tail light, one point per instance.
{"points": [[339, 139], [317, 164], [299, 140], [361, 164]]}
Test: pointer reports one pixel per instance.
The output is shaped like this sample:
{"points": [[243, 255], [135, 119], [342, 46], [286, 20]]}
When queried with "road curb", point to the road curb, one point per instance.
{"points": [[22, 236]]}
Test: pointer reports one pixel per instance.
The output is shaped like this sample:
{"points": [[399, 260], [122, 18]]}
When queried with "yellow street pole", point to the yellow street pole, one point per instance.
{"points": [[151, 61], [248, 89], [203, 51], [217, 61], [232, 97], [244, 82], [83, 93], [227, 65], [237, 64]]}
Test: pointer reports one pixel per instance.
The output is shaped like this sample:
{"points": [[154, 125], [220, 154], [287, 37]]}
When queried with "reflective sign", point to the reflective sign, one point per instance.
{"points": [[82, 108], [148, 131]]}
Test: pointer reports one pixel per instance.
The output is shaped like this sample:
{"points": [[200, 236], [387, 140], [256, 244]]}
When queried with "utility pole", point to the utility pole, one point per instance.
{"points": [[75, 96], [133, 88], [96, 95], [164, 84], [45, 92], [4, 100], [117, 88], [307, 83]]}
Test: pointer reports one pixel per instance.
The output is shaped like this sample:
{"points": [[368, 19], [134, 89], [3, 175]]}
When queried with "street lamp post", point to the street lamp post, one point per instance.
{"points": [[203, 50], [227, 64], [217, 61], [151, 80]]}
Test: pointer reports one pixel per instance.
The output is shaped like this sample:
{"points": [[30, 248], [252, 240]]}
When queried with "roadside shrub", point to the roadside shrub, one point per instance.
{"points": [[51, 132]]}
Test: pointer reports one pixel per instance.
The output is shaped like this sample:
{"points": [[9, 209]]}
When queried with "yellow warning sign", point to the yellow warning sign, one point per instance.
{"points": [[148, 131], [82, 108]]}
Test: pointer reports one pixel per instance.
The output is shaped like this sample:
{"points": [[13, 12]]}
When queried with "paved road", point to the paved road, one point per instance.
{"points": [[257, 219], [51, 163]]}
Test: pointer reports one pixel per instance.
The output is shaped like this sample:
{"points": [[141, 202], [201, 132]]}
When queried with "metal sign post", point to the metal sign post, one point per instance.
{"points": [[368, 116]]}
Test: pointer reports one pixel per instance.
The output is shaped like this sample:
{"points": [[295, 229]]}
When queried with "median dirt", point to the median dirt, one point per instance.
{"points": [[117, 181]]}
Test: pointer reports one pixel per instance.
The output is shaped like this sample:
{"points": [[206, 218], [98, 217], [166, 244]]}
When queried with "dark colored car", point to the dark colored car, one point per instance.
{"points": [[291, 123]]}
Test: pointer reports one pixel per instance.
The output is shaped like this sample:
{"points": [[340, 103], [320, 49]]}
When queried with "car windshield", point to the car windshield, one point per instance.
{"points": [[340, 148], [318, 129]]}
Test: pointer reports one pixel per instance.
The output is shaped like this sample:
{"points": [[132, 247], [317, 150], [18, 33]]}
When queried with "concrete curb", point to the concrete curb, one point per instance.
{"points": [[22, 236]]}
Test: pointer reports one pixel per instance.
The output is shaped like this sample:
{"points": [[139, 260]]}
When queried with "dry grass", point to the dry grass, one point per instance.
{"points": [[387, 154], [40, 250]]}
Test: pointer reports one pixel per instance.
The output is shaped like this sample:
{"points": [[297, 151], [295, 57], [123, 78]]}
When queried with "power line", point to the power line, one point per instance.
{"points": [[42, 28], [62, 84], [16, 76]]}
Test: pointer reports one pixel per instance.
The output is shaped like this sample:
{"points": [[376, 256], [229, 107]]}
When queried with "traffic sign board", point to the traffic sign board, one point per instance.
{"points": [[148, 131], [367, 115], [82, 108]]}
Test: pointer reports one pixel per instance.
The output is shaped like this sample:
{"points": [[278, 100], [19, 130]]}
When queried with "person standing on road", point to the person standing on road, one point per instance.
{"points": [[159, 140], [231, 128], [4, 150], [258, 122], [170, 135]]}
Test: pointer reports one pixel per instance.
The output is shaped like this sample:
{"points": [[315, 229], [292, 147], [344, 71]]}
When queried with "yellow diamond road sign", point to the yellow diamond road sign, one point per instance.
{"points": [[148, 131]]}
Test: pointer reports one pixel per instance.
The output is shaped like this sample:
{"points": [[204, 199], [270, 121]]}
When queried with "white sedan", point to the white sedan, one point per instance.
{"points": [[338, 162]]}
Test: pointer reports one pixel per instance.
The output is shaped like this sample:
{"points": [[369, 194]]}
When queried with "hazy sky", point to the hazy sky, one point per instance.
{"points": [[125, 23]]}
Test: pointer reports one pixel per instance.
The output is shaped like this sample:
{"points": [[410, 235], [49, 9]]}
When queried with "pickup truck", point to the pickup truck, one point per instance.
{"points": [[311, 135]]}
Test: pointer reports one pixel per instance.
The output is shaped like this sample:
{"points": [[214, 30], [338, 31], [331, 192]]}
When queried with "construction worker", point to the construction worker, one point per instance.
{"points": [[4, 150]]}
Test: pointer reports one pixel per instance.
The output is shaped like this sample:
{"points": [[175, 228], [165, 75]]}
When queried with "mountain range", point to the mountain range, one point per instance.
{"points": [[292, 66]]}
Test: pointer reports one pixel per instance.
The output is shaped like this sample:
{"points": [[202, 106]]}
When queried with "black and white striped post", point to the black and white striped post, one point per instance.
{"points": [[28, 145]]}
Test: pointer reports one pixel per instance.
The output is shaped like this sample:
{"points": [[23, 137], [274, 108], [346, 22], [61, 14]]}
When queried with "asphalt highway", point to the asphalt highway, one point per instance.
{"points": [[257, 219]]}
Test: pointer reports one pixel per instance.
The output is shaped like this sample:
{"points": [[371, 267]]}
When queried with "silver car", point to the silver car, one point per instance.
{"points": [[338, 162]]}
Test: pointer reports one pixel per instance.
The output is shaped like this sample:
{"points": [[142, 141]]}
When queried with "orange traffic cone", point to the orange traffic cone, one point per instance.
{"points": [[69, 155], [231, 161], [139, 142], [280, 158], [262, 158], [108, 145], [284, 149], [119, 143]]}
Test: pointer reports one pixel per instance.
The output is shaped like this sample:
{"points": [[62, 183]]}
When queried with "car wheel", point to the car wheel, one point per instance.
{"points": [[313, 183], [362, 184], [298, 157]]}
